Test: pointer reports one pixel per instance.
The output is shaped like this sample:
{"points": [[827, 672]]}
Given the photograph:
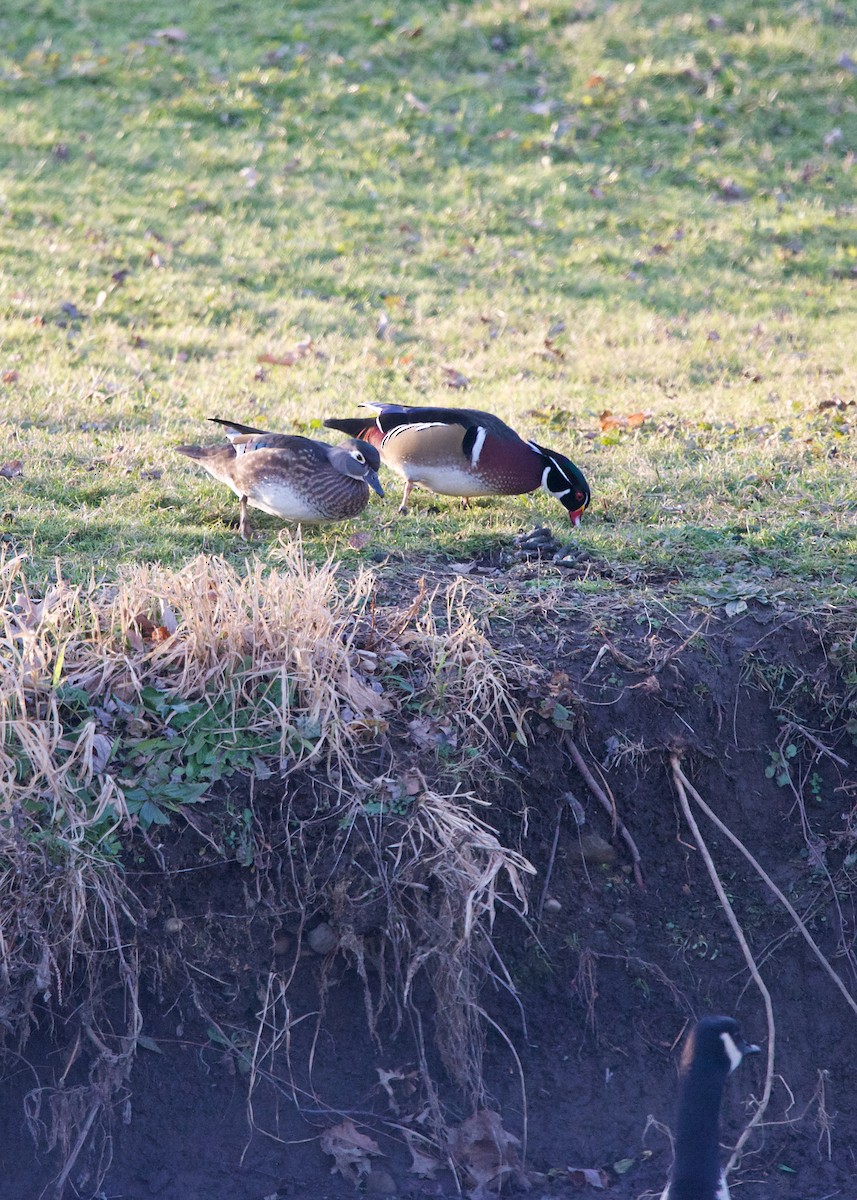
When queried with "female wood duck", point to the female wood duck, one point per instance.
{"points": [[713, 1050], [464, 452], [291, 477]]}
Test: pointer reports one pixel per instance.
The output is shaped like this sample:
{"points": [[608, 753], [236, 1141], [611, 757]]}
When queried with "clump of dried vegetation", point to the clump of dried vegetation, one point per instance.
{"points": [[126, 710]]}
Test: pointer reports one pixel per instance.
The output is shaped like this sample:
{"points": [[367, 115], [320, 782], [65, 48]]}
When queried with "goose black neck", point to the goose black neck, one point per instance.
{"points": [[696, 1173]]}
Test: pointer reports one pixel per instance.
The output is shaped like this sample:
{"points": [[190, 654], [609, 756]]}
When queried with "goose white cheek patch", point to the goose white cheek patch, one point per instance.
{"points": [[732, 1052]]}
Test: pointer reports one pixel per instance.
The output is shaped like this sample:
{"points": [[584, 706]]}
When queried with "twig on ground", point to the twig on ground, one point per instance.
{"points": [[820, 746], [549, 871], [609, 807]]}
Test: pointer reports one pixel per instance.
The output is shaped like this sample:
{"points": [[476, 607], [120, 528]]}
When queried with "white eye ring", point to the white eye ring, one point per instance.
{"points": [[356, 454]]}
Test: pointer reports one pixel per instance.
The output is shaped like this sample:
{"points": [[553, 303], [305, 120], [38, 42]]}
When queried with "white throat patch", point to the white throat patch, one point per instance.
{"points": [[732, 1052]]}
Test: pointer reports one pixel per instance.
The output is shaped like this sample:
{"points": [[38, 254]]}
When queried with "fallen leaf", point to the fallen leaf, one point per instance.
{"points": [[250, 176], [415, 32], [71, 310], [160, 634], [143, 625], [454, 378], [423, 1165], [427, 733], [351, 1150], [632, 421], [358, 541], [419, 105], [588, 1176], [301, 350], [550, 350], [171, 34], [727, 190], [486, 1152], [10, 376], [12, 469], [168, 617], [102, 748]]}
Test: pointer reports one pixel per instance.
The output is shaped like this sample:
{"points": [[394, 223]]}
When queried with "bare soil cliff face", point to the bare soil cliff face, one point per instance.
{"points": [[263, 1027]]}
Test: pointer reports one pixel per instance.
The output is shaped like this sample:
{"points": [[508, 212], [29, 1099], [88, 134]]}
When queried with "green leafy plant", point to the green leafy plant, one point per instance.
{"points": [[778, 768]]}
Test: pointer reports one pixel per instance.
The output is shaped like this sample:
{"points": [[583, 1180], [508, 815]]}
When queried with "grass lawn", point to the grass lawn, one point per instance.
{"points": [[636, 208]]}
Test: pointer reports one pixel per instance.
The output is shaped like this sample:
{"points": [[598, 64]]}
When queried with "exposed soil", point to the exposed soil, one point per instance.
{"points": [[606, 974]]}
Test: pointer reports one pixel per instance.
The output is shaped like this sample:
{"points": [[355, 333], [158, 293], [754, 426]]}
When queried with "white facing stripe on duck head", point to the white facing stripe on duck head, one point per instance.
{"points": [[412, 427], [481, 434], [732, 1052]]}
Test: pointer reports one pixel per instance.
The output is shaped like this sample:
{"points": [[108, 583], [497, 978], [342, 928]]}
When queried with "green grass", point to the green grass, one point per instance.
{"points": [[485, 176]]}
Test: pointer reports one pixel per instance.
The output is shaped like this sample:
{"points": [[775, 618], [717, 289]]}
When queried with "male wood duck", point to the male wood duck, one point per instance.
{"points": [[464, 452], [289, 476], [713, 1050]]}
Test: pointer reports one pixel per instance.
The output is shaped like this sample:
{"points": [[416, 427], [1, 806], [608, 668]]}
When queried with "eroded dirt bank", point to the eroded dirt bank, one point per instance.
{"points": [[585, 998]]}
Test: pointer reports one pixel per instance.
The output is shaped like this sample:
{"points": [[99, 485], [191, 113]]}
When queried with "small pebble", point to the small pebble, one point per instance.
{"points": [[322, 939]]}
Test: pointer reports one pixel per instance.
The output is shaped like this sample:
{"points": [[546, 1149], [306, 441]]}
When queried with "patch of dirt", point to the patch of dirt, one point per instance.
{"points": [[589, 996]]}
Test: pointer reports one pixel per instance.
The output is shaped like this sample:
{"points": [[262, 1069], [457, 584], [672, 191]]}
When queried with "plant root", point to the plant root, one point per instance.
{"points": [[609, 806]]}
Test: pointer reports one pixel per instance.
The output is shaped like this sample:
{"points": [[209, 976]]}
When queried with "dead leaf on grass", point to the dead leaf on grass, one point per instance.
{"points": [[300, 351], [549, 350], [632, 421], [427, 733], [351, 1150], [10, 376], [727, 190], [11, 469], [453, 378], [359, 541], [416, 103], [102, 748], [171, 33]]}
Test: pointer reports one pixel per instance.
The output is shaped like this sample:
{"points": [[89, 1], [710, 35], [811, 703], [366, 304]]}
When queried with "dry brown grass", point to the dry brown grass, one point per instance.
{"points": [[76, 665]]}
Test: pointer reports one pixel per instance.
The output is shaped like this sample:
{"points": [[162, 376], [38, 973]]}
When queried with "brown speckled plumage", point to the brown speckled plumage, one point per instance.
{"points": [[292, 477]]}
